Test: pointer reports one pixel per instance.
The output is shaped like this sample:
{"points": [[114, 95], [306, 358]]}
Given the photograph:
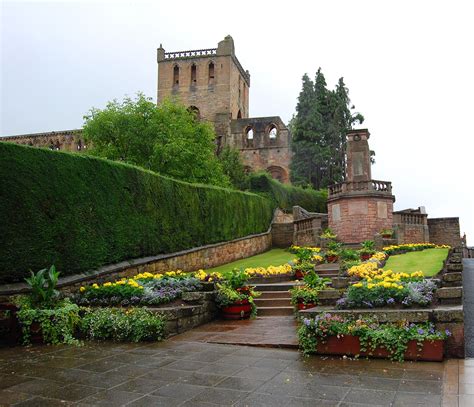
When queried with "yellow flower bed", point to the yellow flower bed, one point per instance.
{"points": [[296, 248], [378, 256], [415, 246], [124, 281], [369, 271], [269, 271]]}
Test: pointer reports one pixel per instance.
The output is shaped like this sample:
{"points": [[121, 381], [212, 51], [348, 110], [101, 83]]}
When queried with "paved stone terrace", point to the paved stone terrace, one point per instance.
{"points": [[185, 372]]}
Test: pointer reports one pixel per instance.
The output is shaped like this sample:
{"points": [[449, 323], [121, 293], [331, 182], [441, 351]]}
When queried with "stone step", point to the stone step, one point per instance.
{"points": [[274, 311], [276, 287], [327, 267], [454, 267], [274, 294], [453, 279], [272, 302], [449, 295]]}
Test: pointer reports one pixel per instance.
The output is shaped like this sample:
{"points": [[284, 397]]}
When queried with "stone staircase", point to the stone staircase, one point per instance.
{"points": [[328, 270], [275, 299]]}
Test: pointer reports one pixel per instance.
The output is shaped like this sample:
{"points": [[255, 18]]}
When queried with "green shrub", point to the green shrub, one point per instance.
{"points": [[80, 212], [287, 196], [122, 324]]}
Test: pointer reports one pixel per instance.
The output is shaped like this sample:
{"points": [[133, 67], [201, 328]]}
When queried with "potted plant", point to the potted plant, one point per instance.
{"points": [[337, 335], [386, 233], [342, 280], [332, 254], [301, 269], [43, 315], [328, 234], [234, 297], [306, 296], [367, 250]]}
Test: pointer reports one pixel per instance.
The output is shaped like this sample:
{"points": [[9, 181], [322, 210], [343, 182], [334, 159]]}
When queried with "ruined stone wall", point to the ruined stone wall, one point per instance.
{"points": [[67, 140], [262, 152], [360, 218], [445, 231]]}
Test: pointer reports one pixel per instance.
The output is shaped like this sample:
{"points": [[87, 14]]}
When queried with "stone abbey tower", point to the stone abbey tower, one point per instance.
{"points": [[213, 84]]}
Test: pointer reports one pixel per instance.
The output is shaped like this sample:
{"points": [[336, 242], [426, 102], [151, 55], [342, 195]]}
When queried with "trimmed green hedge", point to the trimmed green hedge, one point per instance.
{"points": [[287, 196], [80, 212]]}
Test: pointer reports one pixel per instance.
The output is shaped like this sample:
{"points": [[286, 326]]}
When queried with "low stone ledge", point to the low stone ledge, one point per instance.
{"points": [[449, 293], [454, 267], [383, 315], [197, 297], [448, 314], [452, 278]]}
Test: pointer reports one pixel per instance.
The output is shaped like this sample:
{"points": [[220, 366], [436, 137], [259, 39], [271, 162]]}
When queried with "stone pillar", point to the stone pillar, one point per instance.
{"points": [[360, 207]]}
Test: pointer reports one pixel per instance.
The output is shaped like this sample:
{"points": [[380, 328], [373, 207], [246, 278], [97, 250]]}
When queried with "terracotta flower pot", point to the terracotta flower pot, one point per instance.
{"points": [[299, 275], [332, 259], [302, 306], [432, 351], [365, 256], [238, 310], [387, 236]]}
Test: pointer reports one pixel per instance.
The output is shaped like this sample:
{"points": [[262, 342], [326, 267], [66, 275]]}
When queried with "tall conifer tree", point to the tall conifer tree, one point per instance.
{"points": [[319, 132]]}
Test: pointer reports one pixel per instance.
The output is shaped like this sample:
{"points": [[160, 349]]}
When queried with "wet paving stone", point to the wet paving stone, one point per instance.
{"points": [[183, 372]]}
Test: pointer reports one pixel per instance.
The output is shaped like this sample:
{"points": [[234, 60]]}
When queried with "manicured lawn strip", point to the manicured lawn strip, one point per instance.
{"points": [[430, 261], [274, 257]]}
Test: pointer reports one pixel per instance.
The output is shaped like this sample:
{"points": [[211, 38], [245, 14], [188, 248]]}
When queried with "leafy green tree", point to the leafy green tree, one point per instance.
{"points": [[233, 167], [319, 132], [166, 138]]}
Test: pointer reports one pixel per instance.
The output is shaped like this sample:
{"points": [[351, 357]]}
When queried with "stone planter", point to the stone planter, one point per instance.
{"points": [[432, 351], [238, 310]]}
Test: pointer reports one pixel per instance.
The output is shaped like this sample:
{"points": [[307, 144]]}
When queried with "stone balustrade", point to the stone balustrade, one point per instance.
{"points": [[360, 186], [191, 54]]}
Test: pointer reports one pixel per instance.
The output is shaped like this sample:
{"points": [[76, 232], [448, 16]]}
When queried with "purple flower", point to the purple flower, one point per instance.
{"points": [[447, 332], [390, 301], [307, 322], [420, 331]]}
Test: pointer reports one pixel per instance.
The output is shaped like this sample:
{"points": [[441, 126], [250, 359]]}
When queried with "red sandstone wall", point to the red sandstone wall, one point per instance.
{"points": [[445, 231], [357, 219]]}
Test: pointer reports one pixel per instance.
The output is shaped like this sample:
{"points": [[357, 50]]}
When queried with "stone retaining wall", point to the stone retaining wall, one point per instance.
{"points": [[188, 260], [445, 231]]}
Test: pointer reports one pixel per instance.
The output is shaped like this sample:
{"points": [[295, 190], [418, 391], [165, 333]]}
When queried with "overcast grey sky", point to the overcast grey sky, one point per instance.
{"points": [[408, 66]]}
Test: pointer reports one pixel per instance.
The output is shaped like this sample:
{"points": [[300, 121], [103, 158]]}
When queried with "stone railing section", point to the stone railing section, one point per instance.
{"points": [[191, 54], [410, 218], [360, 186]]}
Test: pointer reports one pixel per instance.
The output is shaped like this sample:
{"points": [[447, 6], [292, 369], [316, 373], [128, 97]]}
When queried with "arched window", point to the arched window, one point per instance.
{"points": [[239, 114], [195, 112], [272, 134], [211, 74], [176, 75], [249, 137], [193, 75]]}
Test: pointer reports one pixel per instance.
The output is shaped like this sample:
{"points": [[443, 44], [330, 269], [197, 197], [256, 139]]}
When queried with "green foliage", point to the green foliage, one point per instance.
{"points": [[233, 167], [287, 196], [319, 132], [304, 295], [236, 278], [43, 287], [328, 234], [80, 212], [120, 324], [314, 281], [57, 323], [372, 334], [368, 247], [166, 138], [349, 255]]}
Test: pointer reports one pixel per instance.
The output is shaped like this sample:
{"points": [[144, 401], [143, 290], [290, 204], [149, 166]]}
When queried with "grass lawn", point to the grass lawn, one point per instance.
{"points": [[274, 257], [429, 261]]}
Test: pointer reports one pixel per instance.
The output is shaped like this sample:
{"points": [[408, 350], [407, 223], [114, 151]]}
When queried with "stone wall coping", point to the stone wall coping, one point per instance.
{"points": [[20, 288], [362, 194], [443, 313]]}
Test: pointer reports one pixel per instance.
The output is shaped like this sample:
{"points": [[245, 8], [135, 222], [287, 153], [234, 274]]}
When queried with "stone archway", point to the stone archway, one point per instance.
{"points": [[278, 173]]}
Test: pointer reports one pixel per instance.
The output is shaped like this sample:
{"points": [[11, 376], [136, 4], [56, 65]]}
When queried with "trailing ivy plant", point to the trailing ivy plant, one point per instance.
{"points": [[57, 323]]}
